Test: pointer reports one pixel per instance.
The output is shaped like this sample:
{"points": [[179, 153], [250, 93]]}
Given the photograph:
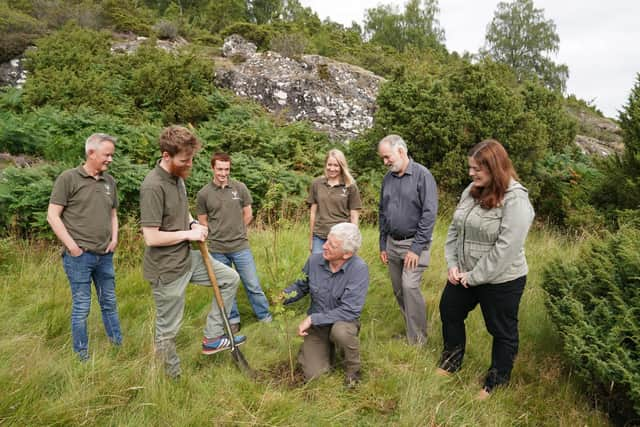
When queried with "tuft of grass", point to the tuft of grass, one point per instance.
{"points": [[43, 384]]}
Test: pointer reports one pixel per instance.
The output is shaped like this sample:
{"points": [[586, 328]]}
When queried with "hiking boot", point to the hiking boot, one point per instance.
{"points": [[235, 328], [214, 345], [352, 380]]}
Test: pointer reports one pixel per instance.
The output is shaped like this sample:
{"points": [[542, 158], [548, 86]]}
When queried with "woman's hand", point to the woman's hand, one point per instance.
{"points": [[453, 275], [464, 279]]}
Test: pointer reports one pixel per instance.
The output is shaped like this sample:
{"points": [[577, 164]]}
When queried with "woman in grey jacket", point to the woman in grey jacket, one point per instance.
{"points": [[486, 262]]}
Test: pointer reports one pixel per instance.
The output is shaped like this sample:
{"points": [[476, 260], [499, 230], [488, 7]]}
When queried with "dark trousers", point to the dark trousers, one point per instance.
{"points": [[499, 304]]}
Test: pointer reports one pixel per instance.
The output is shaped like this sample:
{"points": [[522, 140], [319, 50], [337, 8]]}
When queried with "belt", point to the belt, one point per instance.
{"points": [[401, 237]]}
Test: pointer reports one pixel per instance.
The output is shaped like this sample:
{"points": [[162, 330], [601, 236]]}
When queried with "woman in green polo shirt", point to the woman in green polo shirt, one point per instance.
{"points": [[333, 197]]}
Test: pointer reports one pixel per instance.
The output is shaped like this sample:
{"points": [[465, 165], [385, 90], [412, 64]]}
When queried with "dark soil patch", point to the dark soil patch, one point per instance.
{"points": [[280, 374]]}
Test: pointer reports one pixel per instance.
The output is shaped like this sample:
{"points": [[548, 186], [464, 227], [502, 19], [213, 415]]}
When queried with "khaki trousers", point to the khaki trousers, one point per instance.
{"points": [[406, 288], [317, 353], [169, 299]]}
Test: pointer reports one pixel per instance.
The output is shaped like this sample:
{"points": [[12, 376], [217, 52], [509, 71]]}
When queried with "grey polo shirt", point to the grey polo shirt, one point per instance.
{"points": [[163, 204], [408, 207], [223, 207], [335, 296], [88, 203]]}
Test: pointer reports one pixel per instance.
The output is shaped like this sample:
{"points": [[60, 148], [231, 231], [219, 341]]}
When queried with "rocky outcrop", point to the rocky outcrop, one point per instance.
{"points": [[598, 135], [592, 146], [127, 43], [12, 73], [335, 97], [237, 47]]}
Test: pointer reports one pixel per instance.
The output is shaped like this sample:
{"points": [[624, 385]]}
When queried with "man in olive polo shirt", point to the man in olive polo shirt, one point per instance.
{"points": [[224, 205], [82, 214], [169, 263]]}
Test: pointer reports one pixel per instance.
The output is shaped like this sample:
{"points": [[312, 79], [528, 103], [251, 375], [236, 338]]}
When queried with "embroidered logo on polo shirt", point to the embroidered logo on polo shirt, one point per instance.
{"points": [[344, 192], [107, 189], [234, 194]]}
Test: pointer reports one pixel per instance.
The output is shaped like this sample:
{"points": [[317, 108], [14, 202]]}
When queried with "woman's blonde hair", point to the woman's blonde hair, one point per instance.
{"points": [[344, 168]]}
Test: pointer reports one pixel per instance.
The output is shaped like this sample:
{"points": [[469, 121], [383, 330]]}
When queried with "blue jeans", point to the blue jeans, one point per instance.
{"points": [[318, 242], [81, 271], [243, 261]]}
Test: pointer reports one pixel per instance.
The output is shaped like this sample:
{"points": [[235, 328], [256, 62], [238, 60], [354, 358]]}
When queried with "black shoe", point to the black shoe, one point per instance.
{"points": [[450, 361], [351, 381]]}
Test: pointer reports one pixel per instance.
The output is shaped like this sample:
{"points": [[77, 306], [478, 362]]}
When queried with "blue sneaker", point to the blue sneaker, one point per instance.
{"points": [[214, 345]]}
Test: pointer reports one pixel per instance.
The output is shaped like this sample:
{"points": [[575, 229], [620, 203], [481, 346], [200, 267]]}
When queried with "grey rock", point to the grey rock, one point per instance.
{"points": [[335, 97], [236, 46], [12, 73], [593, 146]]}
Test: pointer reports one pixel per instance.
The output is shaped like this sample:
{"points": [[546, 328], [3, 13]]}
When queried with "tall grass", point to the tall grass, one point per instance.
{"points": [[41, 382]]}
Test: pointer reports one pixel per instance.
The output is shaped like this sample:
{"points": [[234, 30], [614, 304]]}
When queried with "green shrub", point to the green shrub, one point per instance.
{"points": [[165, 30], [566, 181], [258, 34], [127, 16], [441, 112], [17, 31], [594, 303], [74, 68], [59, 136], [620, 188], [289, 45], [24, 197]]}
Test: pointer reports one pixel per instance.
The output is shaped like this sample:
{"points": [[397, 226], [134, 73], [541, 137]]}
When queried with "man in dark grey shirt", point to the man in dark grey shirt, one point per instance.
{"points": [[407, 215], [338, 281]]}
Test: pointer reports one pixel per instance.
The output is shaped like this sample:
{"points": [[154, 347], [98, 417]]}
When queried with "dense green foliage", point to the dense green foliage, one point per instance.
{"points": [[416, 27], [522, 38], [442, 116], [74, 67], [620, 188], [594, 302], [17, 31]]}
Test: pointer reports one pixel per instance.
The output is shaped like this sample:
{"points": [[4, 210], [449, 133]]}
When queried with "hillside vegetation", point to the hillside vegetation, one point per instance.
{"points": [[440, 102]]}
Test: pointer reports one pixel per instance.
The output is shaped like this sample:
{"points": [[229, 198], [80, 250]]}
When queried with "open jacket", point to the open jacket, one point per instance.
{"points": [[489, 243]]}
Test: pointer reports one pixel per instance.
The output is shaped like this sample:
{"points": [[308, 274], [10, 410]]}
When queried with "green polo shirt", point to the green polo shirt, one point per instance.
{"points": [[87, 202], [164, 204], [223, 207], [334, 204]]}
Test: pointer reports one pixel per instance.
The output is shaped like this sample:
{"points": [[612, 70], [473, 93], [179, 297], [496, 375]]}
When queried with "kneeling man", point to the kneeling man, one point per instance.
{"points": [[337, 280]]}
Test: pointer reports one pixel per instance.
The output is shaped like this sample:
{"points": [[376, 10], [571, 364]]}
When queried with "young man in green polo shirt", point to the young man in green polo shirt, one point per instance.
{"points": [[82, 214], [224, 205], [169, 263]]}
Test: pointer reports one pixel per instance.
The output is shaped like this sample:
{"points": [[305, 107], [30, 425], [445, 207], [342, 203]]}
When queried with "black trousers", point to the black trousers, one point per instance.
{"points": [[499, 304]]}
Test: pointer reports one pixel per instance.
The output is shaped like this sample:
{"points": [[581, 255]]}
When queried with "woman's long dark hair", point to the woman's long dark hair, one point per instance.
{"points": [[491, 156]]}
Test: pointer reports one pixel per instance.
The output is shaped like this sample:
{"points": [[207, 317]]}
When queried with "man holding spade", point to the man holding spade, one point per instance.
{"points": [[169, 263]]}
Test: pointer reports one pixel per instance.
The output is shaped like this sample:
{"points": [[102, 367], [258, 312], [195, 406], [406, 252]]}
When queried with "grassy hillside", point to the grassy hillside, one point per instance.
{"points": [[43, 384]]}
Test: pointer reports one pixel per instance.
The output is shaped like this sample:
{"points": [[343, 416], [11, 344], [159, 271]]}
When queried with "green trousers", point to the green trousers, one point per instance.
{"points": [[170, 297]]}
